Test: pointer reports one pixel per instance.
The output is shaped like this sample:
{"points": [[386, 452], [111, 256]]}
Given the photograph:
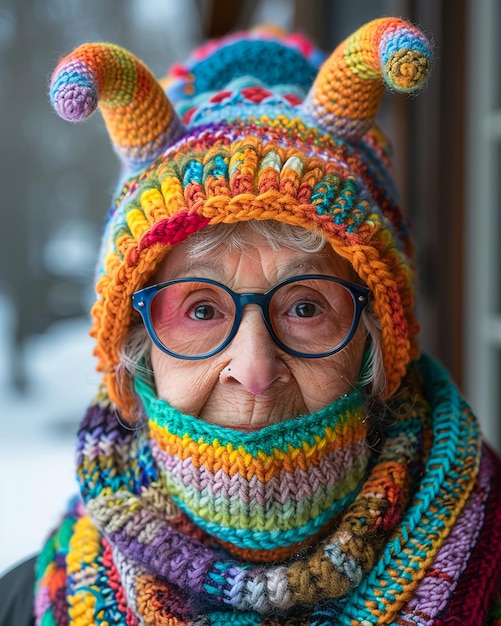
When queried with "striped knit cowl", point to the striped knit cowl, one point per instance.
{"points": [[353, 515]]}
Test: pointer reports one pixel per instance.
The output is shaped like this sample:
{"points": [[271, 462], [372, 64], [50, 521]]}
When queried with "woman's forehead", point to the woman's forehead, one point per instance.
{"points": [[258, 257]]}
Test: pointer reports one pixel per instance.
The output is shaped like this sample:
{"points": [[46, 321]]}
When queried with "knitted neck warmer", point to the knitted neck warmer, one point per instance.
{"points": [[133, 552], [262, 495]]}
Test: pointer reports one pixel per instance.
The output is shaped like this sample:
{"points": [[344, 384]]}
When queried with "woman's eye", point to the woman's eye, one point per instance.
{"points": [[305, 309], [203, 312]]}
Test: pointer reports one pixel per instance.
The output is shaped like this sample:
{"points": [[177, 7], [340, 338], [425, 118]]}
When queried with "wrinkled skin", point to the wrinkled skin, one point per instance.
{"points": [[253, 383]]}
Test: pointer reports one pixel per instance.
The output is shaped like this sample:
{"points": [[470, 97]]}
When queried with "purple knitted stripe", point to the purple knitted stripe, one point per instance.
{"points": [[99, 431], [170, 554], [42, 602], [331, 471], [98, 443], [74, 91], [437, 587]]}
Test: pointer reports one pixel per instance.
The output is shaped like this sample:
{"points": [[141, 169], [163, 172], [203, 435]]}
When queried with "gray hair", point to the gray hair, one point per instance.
{"points": [[135, 358]]}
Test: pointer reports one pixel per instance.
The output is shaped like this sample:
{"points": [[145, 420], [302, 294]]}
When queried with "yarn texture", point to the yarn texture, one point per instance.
{"points": [[422, 524]]}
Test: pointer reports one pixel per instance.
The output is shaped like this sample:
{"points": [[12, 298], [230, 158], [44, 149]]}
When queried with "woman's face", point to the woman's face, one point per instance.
{"points": [[253, 383]]}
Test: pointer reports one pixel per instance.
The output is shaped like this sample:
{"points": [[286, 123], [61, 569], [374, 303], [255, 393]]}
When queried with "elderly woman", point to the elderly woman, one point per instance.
{"points": [[268, 447]]}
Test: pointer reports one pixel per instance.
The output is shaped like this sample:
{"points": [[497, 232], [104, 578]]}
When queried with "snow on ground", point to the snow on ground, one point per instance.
{"points": [[37, 432]]}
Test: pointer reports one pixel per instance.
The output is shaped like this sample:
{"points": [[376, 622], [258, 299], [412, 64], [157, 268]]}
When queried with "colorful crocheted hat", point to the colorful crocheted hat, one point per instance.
{"points": [[250, 128]]}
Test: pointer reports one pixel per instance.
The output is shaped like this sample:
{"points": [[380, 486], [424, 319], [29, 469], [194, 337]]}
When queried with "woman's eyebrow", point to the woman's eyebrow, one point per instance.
{"points": [[304, 265], [202, 269]]}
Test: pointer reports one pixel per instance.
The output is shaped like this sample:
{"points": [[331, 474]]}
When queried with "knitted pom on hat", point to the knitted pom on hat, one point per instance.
{"points": [[252, 127]]}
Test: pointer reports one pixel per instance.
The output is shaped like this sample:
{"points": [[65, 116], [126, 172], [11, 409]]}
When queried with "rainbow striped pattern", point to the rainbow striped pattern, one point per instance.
{"points": [[264, 496], [401, 53], [419, 544], [133, 94], [251, 128]]}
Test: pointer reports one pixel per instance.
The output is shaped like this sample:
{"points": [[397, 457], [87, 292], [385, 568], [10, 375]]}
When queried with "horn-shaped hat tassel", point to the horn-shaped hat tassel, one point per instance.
{"points": [[139, 117], [346, 95]]}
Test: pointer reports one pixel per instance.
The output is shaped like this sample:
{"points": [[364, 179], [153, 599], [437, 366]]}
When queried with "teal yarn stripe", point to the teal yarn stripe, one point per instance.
{"points": [[235, 618]]}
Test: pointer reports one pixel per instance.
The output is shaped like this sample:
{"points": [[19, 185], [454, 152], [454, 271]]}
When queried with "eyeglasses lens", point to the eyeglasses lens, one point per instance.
{"points": [[312, 316], [192, 318]]}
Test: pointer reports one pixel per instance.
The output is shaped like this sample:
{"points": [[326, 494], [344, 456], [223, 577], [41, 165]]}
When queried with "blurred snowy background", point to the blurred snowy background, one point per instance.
{"points": [[37, 431]]}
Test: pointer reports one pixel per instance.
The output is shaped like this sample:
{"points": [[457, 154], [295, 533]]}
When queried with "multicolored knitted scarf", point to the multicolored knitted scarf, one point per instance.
{"points": [[321, 523]]}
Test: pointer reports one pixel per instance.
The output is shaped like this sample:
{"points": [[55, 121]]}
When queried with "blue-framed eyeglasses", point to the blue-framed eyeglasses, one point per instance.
{"points": [[310, 316]]}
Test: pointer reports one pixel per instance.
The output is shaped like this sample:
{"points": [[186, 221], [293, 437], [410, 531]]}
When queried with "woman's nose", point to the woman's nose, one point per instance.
{"points": [[254, 358]]}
